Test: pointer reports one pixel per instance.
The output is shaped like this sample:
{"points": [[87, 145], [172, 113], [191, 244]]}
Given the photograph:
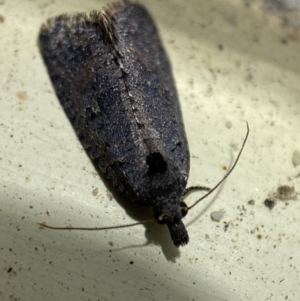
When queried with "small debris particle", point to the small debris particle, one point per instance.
{"points": [[221, 47], [95, 192], [206, 236], [22, 95], [9, 270], [226, 227], [111, 243], [286, 192], [251, 202], [269, 203], [13, 273], [216, 216], [109, 195], [296, 158], [2, 19], [228, 124], [259, 236], [131, 262]]}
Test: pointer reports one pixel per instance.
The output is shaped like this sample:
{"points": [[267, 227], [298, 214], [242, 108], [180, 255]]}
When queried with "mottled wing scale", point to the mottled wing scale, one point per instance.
{"points": [[114, 81]]}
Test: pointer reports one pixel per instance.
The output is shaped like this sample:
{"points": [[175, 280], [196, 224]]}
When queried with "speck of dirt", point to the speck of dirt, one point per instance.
{"points": [[216, 216], [95, 191], [296, 158], [259, 236], [226, 226], [228, 124], [269, 203], [251, 202], [285, 192], [22, 95]]}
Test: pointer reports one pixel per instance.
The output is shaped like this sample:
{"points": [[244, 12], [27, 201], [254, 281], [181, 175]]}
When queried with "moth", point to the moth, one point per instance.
{"points": [[113, 78]]}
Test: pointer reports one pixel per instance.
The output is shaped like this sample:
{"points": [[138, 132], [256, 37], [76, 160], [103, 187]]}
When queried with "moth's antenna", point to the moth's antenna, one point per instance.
{"points": [[228, 173], [44, 225]]}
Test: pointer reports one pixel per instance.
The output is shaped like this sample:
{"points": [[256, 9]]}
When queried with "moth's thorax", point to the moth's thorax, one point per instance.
{"points": [[167, 209]]}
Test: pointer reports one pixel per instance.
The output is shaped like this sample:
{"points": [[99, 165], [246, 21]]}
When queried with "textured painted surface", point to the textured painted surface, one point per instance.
{"points": [[231, 63]]}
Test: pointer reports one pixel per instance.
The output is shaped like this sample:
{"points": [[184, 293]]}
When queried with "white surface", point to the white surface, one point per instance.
{"points": [[44, 169]]}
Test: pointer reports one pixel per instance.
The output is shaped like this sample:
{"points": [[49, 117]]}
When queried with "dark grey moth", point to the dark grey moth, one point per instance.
{"points": [[114, 81]]}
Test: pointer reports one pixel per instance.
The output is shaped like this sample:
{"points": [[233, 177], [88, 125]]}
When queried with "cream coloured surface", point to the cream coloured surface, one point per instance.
{"points": [[231, 63]]}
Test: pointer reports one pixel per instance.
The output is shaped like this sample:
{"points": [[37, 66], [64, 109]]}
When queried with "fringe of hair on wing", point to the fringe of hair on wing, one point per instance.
{"points": [[103, 19]]}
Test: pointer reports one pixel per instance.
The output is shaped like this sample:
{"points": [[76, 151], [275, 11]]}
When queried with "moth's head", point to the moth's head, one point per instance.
{"points": [[172, 216], [178, 233]]}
